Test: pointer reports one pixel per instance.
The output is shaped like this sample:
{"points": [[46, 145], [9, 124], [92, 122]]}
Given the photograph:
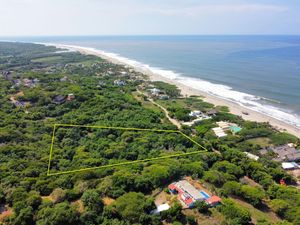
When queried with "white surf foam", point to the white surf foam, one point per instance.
{"points": [[222, 91]]}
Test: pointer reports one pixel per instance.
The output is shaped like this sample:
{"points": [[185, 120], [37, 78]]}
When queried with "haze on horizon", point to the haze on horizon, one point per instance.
{"points": [[141, 17]]}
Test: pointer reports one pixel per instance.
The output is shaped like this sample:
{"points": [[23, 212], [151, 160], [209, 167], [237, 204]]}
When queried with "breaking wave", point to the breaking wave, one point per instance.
{"points": [[255, 103]]}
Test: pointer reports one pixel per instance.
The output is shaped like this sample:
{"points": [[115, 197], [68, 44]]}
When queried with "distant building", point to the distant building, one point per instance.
{"points": [[70, 97], [17, 82], [163, 97], [289, 165], [212, 112], [64, 79], [19, 103], [213, 200], [155, 91], [119, 83], [161, 208], [219, 132], [59, 99], [27, 82], [252, 156], [224, 125], [101, 83], [286, 153], [6, 75], [195, 113]]}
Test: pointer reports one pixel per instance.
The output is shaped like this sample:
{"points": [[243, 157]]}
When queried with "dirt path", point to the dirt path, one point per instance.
{"points": [[173, 121]]}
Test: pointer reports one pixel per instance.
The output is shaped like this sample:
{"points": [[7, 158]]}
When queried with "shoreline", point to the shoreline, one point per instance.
{"points": [[234, 108]]}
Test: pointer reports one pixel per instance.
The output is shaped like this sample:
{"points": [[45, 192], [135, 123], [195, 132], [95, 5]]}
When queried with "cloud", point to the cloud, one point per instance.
{"points": [[232, 8]]}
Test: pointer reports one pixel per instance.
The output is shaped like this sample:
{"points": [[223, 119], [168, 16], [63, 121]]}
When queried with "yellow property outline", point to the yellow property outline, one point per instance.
{"points": [[123, 163]]}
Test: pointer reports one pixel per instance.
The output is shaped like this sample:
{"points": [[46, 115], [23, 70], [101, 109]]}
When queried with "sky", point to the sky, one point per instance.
{"points": [[148, 17]]}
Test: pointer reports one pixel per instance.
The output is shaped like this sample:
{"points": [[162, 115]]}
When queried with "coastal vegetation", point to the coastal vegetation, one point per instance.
{"points": [[41, 86]]}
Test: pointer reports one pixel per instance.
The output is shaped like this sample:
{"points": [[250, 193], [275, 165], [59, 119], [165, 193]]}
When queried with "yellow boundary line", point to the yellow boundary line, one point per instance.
{"points": [[124, 163]]}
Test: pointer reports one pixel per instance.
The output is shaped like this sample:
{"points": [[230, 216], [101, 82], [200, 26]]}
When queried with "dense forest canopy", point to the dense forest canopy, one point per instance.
{"points": [[41, 86]]}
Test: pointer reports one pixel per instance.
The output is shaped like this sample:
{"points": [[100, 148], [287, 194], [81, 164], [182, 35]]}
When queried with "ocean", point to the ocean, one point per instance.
{"points": [[259, 72]]}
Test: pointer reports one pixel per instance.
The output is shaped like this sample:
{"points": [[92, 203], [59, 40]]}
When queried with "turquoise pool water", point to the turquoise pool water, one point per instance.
{"points": [[235, 129], [206, 196]]}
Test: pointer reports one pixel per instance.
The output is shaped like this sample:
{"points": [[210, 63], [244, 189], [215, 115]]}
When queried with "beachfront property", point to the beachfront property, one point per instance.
{"points": [[157, 93], [195, 113], [188, 195], [223, 127], [251, 156], [212, 112], [219, 132], [199, 117]]}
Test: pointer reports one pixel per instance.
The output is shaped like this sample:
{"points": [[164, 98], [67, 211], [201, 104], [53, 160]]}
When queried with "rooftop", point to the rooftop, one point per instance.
{"points": [[286, 153], [190, 189]]}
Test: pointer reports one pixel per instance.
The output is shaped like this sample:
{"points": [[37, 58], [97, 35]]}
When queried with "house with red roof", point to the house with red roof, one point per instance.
{"points": [[188, 194]]}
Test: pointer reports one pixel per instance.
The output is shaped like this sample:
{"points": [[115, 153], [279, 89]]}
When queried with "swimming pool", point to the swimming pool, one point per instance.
{"points": [[206, 196], [235, 129]]}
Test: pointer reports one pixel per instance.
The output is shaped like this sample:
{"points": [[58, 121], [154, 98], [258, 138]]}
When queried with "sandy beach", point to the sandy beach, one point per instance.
{"points": [[188, 91]]}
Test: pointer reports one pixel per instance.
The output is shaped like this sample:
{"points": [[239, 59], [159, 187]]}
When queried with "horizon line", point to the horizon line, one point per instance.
{"points": [[131, 35]]}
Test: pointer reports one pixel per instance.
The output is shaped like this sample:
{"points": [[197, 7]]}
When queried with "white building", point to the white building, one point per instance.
{"points": [[289, 165], [224, 125], [219, 132], [160, 208], [195, 113], [251, 156]]}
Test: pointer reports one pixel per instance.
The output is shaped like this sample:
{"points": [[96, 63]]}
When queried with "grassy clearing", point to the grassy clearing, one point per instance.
{"points": [[193, 103], [146, 104], [257, 214], [262, 141], [215, 218], [50, 59]]}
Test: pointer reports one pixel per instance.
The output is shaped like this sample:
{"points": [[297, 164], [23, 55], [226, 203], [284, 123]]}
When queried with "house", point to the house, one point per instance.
{"points": [[286, 153], [119, 83], [188, 194], [59, 99], [17, 82], [101, 83], [195, 113], [19, 103], [70, 97], [6, 75], [251, 156], [27, 82], [289, 165], [160, 208], [164, 97], [219, 132], [212, 112], [64, 79], [213, 200], [155, 91], [224, 125]]}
